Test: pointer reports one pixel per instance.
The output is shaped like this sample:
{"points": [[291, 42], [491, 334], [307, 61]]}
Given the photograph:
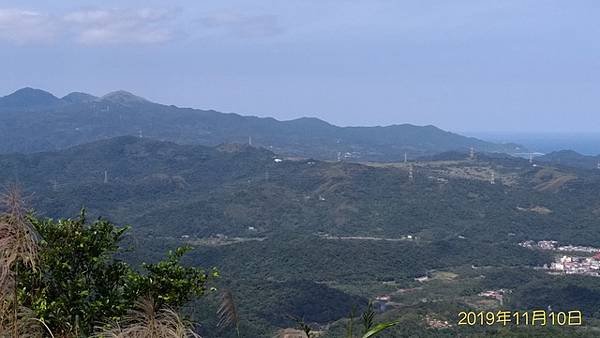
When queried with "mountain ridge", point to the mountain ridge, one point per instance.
{"points": [[53, 124], [28, 97], [570, 158]]}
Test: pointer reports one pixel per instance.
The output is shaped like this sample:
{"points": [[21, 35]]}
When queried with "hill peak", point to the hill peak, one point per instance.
{"points": [[29, 97], [123, 97], [31, 91]]}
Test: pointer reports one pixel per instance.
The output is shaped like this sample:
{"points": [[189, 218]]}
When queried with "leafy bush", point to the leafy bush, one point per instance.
{"points": [[79, 283]]}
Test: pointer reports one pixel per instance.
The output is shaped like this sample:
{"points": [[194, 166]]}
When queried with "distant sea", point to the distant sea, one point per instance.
{"points": [[584, 143]]}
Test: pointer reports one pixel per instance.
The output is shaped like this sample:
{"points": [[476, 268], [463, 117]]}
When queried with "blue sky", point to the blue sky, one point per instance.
{"points": [[510, 65]]}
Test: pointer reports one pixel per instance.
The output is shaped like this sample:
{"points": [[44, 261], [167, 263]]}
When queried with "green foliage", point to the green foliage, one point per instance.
{"points": [[350, 325], [80, 283], [367, 318], [170, 283], [370, 329], [377, 329]]}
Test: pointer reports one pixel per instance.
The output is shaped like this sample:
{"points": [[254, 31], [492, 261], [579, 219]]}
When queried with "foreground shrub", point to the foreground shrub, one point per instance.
{"points": [[74, 281]]}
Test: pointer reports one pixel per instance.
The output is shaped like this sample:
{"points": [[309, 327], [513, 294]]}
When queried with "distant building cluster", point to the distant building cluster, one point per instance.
{"points": [[384, 298], [348, 155], [572, 265], [383, 302], [435, 323], [569, 264], [553, 246], [495, 294]]}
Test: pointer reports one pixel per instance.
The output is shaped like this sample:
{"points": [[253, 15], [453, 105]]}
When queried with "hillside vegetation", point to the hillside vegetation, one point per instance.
{"points": [[312, 239]]}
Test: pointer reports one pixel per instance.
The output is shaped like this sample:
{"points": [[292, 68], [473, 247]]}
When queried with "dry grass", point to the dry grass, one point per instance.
{"points": [[551, 180], [18, 247], [28, 326], [6, 307], [228, 313], [148, 321], [18, 238]]}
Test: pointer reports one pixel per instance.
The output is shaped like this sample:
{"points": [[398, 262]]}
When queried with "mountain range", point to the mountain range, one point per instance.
{"points": [[33, 120]]}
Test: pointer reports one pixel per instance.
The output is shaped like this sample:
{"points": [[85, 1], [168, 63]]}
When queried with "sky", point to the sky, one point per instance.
{"points": [[502, 66]]}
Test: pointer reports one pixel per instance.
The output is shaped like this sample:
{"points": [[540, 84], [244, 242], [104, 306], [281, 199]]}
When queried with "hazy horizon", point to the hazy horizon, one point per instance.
{"points": [[510, 66]]}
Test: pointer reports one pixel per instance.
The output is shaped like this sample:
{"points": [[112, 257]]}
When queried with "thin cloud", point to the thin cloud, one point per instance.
{"points": [[246, 26], [143, 26], [90, 27], [113, 26], [23, 26]]}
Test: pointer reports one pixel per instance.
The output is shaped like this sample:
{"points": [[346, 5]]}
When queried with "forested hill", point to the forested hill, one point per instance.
{"points": [[33, 120], [205, 191], [570, 158], [312, 238]]}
